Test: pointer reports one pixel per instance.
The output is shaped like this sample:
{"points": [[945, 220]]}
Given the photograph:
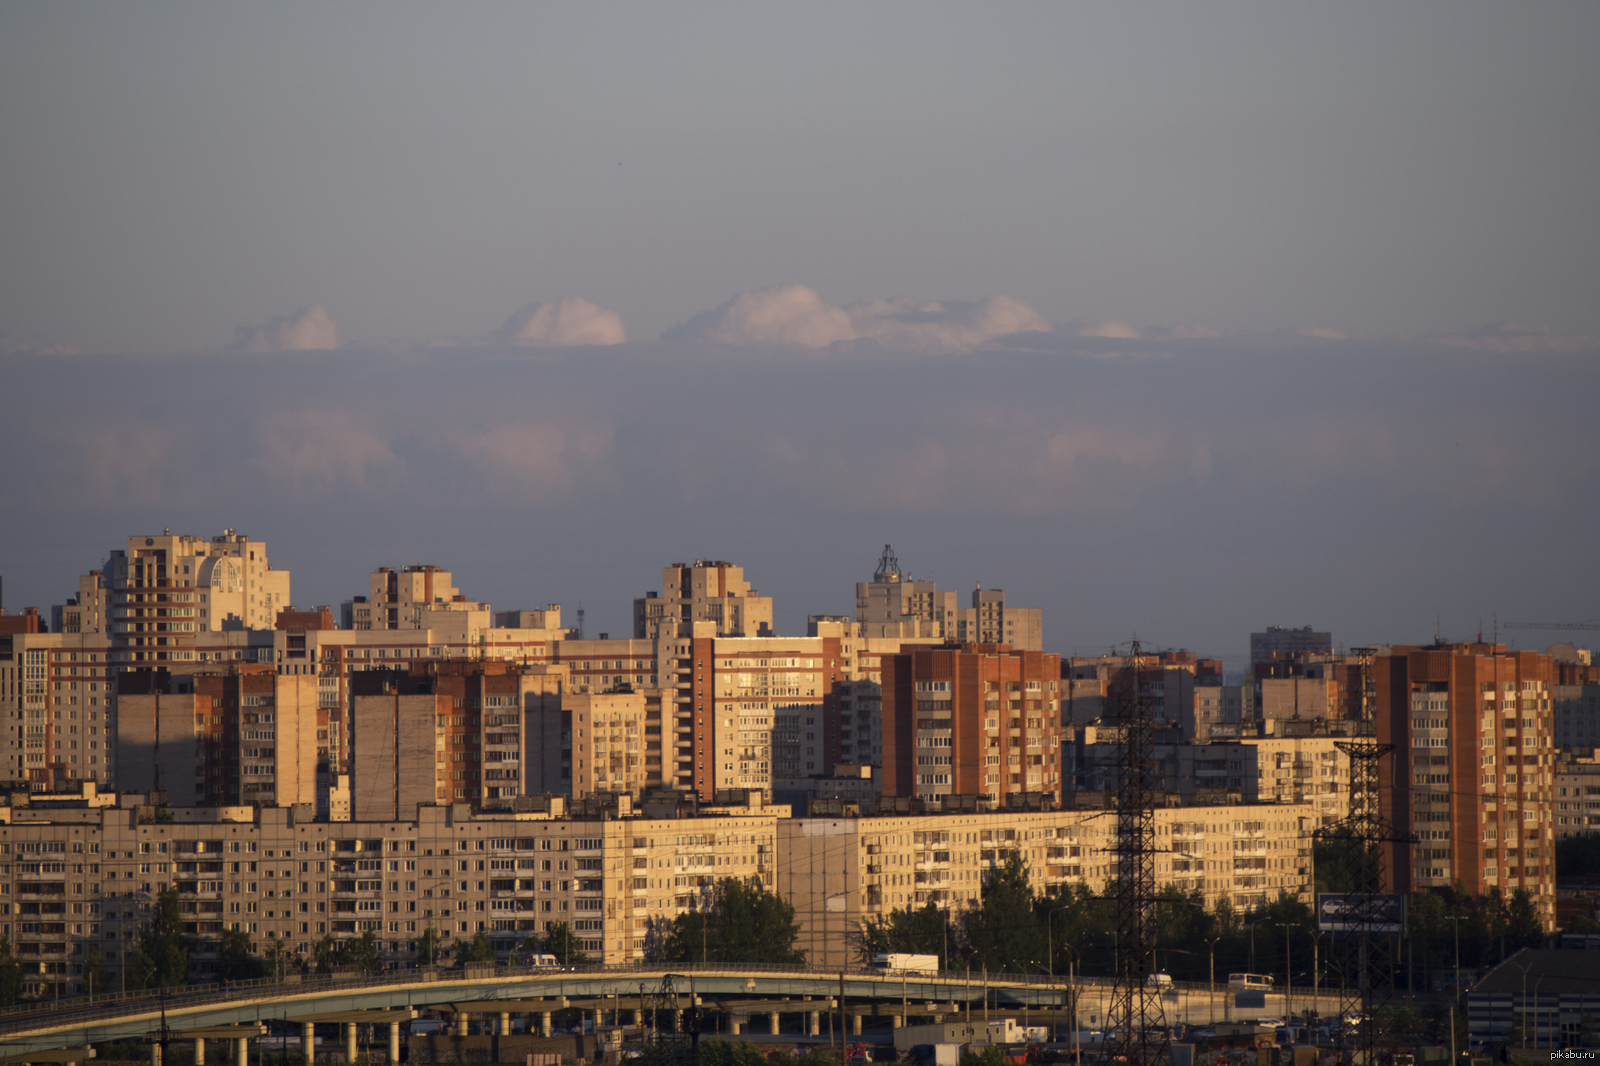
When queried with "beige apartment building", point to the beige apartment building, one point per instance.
{"points": [[841, 872], [607, 742], [1577, 795], [892, 605], [76, 879], [233, 734], [702, 591]]}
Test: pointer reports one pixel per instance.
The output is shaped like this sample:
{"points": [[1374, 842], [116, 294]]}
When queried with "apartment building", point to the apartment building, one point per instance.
{"points": [[1575, 697], [599, 742], [1472, 774], [1577, 795], [405, 598], [1170, 684], [971, 720], [444, 732], [58, 703], [229, 735], [841, 872], [1278, 642], [892, 605], [78, 878], [703, 591], [1298, 766]]}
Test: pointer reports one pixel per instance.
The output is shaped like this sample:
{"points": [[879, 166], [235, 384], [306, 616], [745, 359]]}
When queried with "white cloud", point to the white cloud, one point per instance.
{"points": [[795, 316], [957, 326], [568, 321], [787, 315], [310, 329], [1517, 337]]}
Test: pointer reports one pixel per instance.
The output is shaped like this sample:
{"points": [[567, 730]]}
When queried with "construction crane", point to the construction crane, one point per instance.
{"points": [[1594, 624]]}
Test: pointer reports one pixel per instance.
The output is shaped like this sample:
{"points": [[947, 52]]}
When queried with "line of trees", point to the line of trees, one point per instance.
{"points": [[1014, 930]]}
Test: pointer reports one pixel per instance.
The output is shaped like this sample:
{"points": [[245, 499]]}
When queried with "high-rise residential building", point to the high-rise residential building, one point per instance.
{"points": [[223, 736], [1472, 770], [1576, 697], [895, 606], [409, 598], [442, 732], [57, 700], [971, 720], [1170, 684], [703, 591], [598, 742], [1577, 798], [1279, 642]]}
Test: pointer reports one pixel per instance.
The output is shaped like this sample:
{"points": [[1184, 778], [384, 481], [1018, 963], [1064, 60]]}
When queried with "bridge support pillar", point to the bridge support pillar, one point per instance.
{"points": [[544, 1023], [774, 1017], [736, 1023], [814, 1027], [856, 1024], [463, 1023], [349, 1041], [677, 1021], [394, 1042], [505, 1023], [199, 1051], [241, 1051], [155, 1054], [308, 1042]]}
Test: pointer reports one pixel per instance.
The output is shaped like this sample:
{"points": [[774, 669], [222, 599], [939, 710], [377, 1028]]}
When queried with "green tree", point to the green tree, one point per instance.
{"points": [[160, 959], [239, 963], [428, 948], [718, 1052], [10, 974], [559, 941], [94, 972], [925, 931], [362, 953], [1004, 929], [1523, 928], [476, 950], [745, 923]]}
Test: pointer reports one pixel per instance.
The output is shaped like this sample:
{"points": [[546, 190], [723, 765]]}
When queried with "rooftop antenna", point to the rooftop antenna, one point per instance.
{"points": [[580, 619], [888, 567]]}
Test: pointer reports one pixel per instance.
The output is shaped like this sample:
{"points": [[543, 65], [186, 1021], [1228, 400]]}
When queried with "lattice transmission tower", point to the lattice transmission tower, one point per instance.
{"points": [[1365, 955], [1136, 1011]]}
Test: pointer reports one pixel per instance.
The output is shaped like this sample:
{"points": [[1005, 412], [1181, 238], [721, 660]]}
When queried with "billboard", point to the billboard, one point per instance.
{"points": [[1339, 912]]}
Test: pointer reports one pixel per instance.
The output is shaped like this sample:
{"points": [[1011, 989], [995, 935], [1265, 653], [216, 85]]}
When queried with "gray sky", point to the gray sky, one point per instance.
{"points": [[1134, 216], [177, 170]]}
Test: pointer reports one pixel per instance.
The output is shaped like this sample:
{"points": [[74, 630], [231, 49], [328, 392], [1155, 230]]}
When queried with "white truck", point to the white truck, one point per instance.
{"points": [[897, 962]]}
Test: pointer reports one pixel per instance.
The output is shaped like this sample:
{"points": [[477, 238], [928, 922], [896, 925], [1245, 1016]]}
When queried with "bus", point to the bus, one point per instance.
{"points": [[1253, 981]]}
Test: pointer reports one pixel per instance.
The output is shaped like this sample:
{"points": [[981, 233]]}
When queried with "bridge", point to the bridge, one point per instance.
{"points": [[63, 1031]]}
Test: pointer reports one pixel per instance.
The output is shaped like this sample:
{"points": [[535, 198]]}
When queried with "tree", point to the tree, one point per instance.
{"points": [[478, 949], [360, 953], [160, 959], [925, 931], [428, 948], [1003, 929], [239, 963], [10, 974], [745, 923], [94, 972], [557, 941], [1523, 928]]}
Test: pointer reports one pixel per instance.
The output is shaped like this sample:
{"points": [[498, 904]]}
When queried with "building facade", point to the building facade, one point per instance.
{"points": [[1472, 773]]}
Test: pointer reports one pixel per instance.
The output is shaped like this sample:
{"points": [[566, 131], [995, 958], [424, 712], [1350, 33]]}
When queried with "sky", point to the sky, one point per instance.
{"points": [[1170, 319]]}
